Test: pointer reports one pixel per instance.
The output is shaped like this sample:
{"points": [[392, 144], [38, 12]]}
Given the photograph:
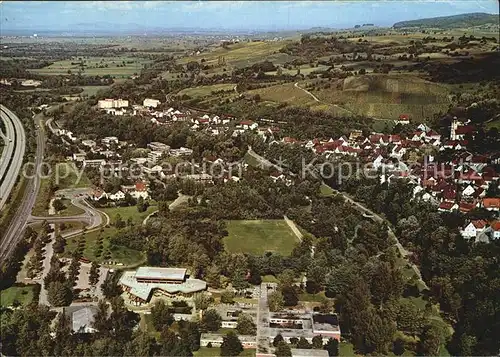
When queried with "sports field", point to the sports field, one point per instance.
{"points": [[259, 236]]}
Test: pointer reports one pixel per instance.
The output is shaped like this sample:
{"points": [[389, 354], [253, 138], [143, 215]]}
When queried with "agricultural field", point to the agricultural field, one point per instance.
{"points": [[204, 91], [243, 54], [118, 67], [92, 90], [259, 236], [387, 96], [283, 93]]}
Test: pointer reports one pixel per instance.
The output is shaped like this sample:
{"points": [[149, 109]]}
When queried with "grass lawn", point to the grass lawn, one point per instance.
{"points": [[346, 349], [215, 352], [259, 236], [269, 279], [325, 190], [70, 176], [319, 297], [22, 294], [70, 210], [119, 254], [40, 207]]}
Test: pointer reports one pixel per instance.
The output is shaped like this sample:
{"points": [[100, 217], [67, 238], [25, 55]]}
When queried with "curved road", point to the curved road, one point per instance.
{"points": [[12, 154], [15, 231]]}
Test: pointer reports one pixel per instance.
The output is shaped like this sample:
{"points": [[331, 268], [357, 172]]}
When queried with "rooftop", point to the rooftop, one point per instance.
{"points": [[143, 290], [82, 319], [161, 273], [299, 352]]}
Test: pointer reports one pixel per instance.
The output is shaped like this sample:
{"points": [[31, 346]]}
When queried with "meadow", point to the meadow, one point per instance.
{"points": [[119, 254], [259, 236], [19, 294], [118, 67], [242, 54]]}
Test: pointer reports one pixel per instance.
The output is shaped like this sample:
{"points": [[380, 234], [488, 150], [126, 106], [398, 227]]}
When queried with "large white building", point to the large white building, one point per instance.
{"points": [[112, 103], [141, 283], [151, 103]]}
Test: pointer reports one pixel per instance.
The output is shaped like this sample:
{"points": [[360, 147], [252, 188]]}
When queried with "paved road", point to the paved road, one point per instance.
{"points": [[12, 154], [15, 231]]}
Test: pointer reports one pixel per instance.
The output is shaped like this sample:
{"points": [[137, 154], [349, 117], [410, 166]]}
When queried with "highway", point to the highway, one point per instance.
{"points": [[15, 231], [13, 153]]}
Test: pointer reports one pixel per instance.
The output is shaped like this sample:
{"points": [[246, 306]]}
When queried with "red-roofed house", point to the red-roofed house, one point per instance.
{"points": [[447, 206], [491, 204], [140, 190], [473, 228]]}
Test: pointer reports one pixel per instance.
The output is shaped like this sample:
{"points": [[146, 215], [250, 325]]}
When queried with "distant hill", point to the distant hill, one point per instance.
{"points": [[463, 20]]}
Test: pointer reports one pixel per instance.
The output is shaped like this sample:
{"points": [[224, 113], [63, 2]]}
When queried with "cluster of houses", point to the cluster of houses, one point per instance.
{"points": [[459, 184]]}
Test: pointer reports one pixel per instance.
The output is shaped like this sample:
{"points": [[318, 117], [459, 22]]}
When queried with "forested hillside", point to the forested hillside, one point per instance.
{"points": [[462, 20]]}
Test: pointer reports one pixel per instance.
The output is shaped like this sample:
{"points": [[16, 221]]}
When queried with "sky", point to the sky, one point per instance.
{"points": [[231, 15]]}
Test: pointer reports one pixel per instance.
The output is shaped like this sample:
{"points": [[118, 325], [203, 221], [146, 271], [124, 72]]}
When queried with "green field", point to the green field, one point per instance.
{"points": [[259, 236], [96, 66], [92, 90], [21, 294], [70, 209], [69, 177], [325, 190], [243, 54], [203, 91], [387, 96], [284, 93], [119, 254]]}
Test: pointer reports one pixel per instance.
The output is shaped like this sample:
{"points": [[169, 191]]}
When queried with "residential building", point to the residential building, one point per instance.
{"points": [[140, 284], [300, 352], [157, 146], [155, 156], [151, 103], [117, 196], [215, 340], [112, 103], [473, 229]]}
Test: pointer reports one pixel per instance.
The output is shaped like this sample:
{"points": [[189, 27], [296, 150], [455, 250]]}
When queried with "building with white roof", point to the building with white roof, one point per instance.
{"points": [[152, 103], [141, 283], [82, 320]]}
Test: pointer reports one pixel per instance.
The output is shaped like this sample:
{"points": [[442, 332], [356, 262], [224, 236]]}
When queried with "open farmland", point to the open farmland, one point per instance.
{"points": [[243, 54], [259, 236], [119, 67], [387, 96], [203, 91], [284, 93]]}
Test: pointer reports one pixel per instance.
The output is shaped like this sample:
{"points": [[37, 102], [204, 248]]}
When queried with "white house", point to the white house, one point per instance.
{"points": [[119, 195], [473, 229]]}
